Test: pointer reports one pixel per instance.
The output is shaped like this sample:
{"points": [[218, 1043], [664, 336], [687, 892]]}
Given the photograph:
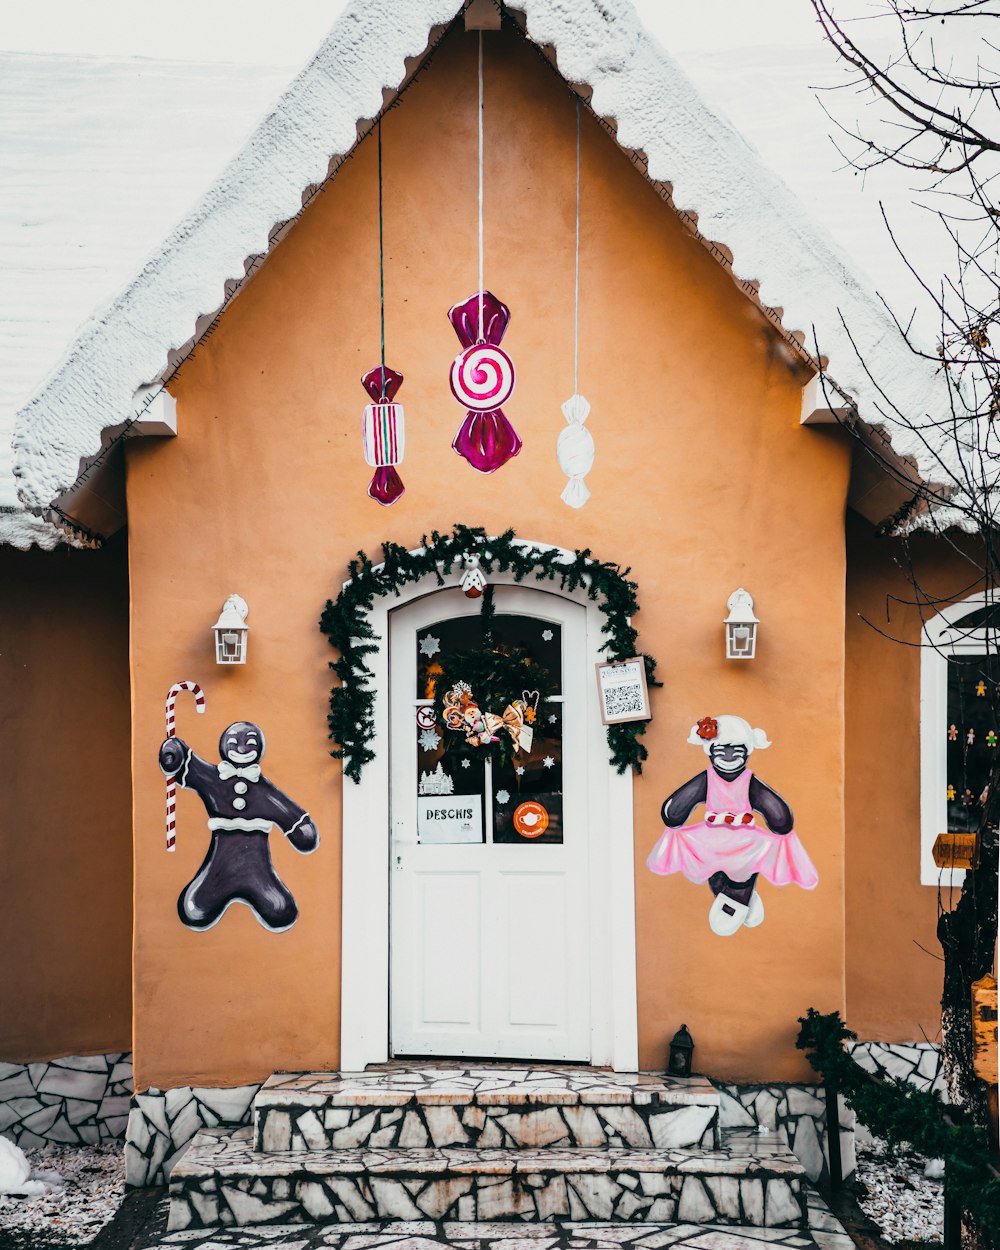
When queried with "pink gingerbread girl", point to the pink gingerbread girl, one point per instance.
{"points": [[728, 849]]}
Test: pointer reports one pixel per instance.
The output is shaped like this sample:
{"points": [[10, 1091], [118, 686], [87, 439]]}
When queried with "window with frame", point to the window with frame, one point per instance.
{"points": [[959, 723]]}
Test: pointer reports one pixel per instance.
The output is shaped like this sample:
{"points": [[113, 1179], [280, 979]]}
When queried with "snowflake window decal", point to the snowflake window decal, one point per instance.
{"points": [[503, 796], [429, 645], [429, 739]]}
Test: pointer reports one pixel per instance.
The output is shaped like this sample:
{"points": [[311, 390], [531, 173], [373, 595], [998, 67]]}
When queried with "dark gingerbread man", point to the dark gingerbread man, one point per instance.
{"points": [[242, 806]]}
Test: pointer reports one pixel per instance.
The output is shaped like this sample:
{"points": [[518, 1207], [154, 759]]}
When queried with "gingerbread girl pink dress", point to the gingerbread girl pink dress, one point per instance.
{"points": [[729, 849]]}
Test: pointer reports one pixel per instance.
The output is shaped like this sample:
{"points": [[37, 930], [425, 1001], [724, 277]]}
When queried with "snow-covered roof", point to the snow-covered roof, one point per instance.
{"points": [[715, 180], [101, 156]]}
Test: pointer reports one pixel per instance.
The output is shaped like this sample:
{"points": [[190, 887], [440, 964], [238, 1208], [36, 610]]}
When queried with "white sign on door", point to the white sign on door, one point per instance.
{"points": [[452, 820]]}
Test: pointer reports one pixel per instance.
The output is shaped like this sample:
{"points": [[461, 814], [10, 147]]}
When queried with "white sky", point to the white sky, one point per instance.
{"points": [[287, 33]]}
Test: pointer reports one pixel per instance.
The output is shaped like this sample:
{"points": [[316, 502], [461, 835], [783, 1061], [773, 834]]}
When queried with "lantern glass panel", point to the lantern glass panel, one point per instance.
{"points": [[742, 640], [230, 646]]}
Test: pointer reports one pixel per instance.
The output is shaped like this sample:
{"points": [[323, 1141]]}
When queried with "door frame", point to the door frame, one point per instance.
{"points": [[491, 864], [364, 998]]}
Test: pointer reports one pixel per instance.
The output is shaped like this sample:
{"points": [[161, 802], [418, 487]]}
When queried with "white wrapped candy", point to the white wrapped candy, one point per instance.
{"points": [[575, 450]]}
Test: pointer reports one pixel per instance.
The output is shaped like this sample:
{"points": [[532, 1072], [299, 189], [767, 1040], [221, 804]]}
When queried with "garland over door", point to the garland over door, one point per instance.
{"points": [[489, 859]]}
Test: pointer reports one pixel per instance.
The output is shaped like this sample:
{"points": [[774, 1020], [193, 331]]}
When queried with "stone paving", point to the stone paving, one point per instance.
{"points": [[753, 1179], [487, 1083], [484, 1107], [823, 1233]]}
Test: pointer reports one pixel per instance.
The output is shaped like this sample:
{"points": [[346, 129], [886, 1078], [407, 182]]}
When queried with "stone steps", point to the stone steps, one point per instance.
{"points": [[752, 1180], [484, 1107]]}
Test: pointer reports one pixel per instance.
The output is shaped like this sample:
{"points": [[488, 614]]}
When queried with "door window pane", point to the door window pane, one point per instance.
{"points": [[520, 797], [541, 640], [527, 789], [973, 742]]}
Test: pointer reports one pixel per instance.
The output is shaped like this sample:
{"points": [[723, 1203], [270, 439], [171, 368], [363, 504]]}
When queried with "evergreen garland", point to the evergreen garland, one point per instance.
{"points": [[347, 624], [900, 1112]]}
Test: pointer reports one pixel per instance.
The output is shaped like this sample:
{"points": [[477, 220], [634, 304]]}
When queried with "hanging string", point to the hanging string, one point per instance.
{"points": [[381, 259], [576, 286], [482, 334]]}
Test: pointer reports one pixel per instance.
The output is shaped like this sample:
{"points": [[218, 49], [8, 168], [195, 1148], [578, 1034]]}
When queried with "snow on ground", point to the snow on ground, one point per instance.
{"points": [[84, 1186]]}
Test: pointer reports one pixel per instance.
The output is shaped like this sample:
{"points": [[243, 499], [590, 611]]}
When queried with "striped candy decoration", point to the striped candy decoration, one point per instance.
{"points": [[199, 698], [383, 433]]}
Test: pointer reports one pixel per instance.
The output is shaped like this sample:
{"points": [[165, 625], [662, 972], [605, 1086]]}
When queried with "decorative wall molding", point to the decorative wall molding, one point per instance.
{"points": [[75, 1100]]}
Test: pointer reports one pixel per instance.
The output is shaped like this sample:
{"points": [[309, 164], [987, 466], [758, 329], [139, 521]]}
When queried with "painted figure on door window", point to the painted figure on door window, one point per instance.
{"points": [[728, 848], [243, 806]]}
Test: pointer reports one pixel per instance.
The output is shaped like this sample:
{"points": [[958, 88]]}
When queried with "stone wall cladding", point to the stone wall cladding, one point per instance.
{"points": [[76, 1100], [162, 1122], [800, 1112], [916, 1062]]}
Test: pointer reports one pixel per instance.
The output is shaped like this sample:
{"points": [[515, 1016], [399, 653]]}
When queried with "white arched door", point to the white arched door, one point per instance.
{"points": [[489, 937]]}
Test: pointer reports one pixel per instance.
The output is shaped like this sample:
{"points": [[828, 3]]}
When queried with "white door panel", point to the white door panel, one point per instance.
{"points": [[445, 940], [534, 922], [490, 950]]}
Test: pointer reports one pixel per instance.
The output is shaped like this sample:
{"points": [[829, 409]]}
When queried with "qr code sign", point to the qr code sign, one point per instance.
{"points": [[623, 691], [624, 701]]}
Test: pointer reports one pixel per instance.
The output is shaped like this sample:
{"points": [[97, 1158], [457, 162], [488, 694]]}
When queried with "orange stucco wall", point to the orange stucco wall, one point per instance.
{"points": [[704, 481], [894, 971], [65, 820]]}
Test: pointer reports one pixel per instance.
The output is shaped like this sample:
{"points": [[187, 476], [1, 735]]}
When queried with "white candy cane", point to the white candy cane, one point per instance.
{"points": [[199, 698]]}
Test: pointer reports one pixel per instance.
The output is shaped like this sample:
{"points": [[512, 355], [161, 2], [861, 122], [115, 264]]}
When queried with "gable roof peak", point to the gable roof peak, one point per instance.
{"points": [[702, 166]]}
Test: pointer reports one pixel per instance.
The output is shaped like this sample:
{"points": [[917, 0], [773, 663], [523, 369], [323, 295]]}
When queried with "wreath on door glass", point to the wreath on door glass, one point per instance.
{"points": [[504, 674], [488, 697]]}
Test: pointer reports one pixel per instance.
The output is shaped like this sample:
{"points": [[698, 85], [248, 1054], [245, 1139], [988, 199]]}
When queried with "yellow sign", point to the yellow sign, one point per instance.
{"points": [[956, 850]]}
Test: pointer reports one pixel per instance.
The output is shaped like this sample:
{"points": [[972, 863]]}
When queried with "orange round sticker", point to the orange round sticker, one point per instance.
{"points": [[531, 819]]}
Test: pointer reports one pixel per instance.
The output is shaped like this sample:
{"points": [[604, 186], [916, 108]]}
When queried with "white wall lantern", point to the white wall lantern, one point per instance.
{"points": [[741, 627], [231, 632]]}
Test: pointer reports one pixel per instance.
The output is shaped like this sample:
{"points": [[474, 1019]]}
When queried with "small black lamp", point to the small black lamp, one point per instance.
{"points": [[681, 1050]]}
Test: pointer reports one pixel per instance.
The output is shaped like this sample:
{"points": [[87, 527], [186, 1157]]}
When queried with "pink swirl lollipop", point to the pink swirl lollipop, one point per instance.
{"points": [[482, 377]]}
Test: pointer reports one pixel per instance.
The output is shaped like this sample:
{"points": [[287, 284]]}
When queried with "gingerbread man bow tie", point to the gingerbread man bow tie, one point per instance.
{"points": [[250, 773]]}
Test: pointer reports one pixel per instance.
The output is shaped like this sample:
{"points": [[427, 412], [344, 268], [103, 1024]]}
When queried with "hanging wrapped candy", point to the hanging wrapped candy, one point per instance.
{"points": [[575, 450], [482, 375], [383, 431], [482, 380]]}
